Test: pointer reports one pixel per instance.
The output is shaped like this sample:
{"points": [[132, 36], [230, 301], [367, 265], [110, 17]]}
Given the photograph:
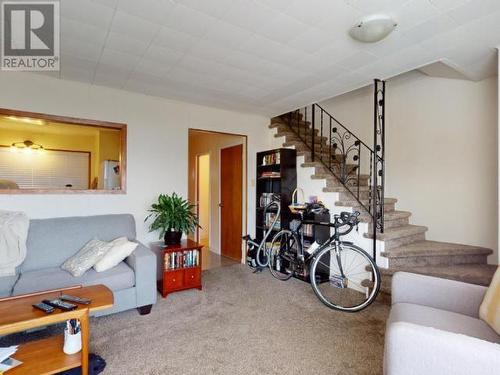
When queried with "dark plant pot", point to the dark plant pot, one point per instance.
{"points": [[172, 238]]}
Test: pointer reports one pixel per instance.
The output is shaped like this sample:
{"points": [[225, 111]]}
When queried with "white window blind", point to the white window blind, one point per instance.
{"points": [[45, 170]]}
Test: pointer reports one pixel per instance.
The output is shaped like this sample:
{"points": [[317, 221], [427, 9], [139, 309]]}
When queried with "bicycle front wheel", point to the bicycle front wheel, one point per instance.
{"points": [[346, 278]]}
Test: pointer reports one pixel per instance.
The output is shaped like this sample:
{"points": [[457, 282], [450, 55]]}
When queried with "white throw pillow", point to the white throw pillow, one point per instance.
{"points": [[489, 311], [121, 248], [83, 260]]}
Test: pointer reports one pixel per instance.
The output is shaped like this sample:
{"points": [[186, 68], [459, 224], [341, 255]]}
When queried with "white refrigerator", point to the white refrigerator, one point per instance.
{"points": [[111, 173]]}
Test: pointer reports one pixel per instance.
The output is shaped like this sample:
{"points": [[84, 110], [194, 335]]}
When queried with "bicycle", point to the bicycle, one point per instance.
{"points": [[343, 276]]}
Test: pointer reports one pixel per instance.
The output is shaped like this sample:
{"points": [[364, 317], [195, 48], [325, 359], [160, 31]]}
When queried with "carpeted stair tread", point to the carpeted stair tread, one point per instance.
{"points": [[434, 248], [342, 189], [480, 274], [388, 216], [330, 176], [355, 203], [399, 232]]}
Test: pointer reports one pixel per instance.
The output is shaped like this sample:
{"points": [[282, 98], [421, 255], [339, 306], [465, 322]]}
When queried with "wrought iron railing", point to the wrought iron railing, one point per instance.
{"points": [[358, 167]]}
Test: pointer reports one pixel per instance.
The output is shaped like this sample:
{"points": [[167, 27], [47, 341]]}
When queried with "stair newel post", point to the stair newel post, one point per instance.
{"points": [[313, 123], [330, 146], [382, 170], [321, 136], [374, 171]]}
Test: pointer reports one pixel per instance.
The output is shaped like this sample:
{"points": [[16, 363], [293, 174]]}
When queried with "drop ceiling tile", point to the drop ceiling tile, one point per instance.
{"points": [[412, 13], [312, 40], [227, 35], [88, 12], [152, 10], [84, 50], [209, 50], [430, 28], [78, 31], [445, 5], [174, 39], [279, 5], [118, 59], [249, 15], [108, 3], [215, 9], [320, 12], [152, 68], [126, 44], [283, 29], [163, 55], [136, 27], [357, 60], [271, 50], [189, 21], [370, 6], [473, 10]]}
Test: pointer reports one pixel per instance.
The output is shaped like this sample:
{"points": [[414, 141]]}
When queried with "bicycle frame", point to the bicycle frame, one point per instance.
{"points": [[334, 239]]}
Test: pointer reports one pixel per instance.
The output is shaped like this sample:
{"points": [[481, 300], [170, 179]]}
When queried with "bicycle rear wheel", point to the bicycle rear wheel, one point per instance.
{"points": [[282, 255], [348, 280]]}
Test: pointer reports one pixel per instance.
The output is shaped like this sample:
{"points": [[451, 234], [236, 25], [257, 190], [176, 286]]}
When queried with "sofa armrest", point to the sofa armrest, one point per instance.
{"points": [[443, 294], [143, 262], [412, 349]]}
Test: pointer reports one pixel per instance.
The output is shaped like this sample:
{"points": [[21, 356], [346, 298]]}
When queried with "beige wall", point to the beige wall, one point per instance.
{"points": [[441, 152], [157, 160], [211, 143]]}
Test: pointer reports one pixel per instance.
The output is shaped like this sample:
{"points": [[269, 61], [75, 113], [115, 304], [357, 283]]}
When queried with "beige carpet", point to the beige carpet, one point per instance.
{"points": [[242, 323]]}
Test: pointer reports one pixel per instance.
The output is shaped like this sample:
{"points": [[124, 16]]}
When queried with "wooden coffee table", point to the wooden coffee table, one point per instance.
{"points": [[46, 356]]}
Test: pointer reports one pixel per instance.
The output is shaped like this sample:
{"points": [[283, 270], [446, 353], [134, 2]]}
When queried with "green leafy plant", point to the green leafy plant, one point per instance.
{"points": [[172, 213]]}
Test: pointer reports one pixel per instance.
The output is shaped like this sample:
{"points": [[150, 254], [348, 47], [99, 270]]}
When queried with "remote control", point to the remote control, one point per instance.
{"points": [[83, 301], [60, 304], [44, 307]]}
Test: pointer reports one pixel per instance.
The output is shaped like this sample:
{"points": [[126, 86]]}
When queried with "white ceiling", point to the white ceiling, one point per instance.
{"points": [[266, 56]]}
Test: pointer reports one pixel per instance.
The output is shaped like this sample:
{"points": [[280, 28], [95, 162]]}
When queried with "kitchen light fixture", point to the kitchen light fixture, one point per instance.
{"points": [[27, 120], [26, 146], [373, 28]]}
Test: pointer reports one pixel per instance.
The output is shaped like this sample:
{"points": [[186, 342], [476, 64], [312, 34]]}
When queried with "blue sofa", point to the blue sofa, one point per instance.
{"points": [[51, 241]]}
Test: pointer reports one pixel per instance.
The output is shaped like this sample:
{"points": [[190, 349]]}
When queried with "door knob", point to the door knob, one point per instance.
{"points": [[221, 205]]}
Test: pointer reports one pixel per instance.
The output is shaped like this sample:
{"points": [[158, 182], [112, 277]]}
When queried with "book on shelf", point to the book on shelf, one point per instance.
{"points": [[271, 159], [270, 174], [269, 219], [182, 259]]}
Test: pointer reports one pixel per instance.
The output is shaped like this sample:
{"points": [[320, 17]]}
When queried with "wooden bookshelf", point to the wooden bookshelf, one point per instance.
{"points": [[182, 275], [276, 173]]}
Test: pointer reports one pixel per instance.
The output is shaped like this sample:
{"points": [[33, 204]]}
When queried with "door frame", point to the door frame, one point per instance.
{"points": [[244, 213], [197, 194]]}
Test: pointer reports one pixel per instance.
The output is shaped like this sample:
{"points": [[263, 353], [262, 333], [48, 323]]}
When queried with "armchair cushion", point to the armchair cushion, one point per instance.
{"points": [[443, 320], [443, 294]]}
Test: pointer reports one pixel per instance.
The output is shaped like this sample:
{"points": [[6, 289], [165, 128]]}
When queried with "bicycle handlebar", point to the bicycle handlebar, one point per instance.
{"points": [[349, 219]]}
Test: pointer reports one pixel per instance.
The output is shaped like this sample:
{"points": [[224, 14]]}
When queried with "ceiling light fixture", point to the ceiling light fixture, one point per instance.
{"points": [[26, 146], [372, 29], [27, 120]]}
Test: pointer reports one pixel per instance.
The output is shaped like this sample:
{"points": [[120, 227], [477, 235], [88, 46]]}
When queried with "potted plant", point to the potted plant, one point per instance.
{"points": [[172, 215]]}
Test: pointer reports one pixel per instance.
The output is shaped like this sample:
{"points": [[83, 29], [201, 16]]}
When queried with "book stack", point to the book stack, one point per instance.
{"points": [[307, 230], [182, 259], [270, 217], [270, 174], [271, 159]]}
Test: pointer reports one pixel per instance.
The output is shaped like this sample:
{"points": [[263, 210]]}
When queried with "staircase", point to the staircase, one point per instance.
{"points": [[401, 245]]}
